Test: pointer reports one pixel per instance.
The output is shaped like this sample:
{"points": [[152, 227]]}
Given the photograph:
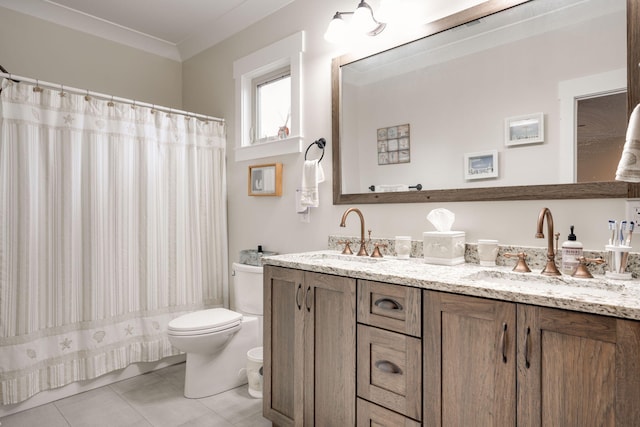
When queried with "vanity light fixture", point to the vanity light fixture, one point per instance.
{"points": [[361, 23], [629, 166]]}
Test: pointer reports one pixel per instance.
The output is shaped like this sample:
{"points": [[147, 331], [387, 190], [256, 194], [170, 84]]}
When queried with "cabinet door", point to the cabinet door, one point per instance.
{"points": [[469, 361], [330, 350], [577, 369], [283, 346]]}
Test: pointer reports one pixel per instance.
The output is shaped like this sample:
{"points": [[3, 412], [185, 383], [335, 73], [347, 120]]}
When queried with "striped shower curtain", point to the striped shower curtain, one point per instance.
{"points": [[112, 222]]}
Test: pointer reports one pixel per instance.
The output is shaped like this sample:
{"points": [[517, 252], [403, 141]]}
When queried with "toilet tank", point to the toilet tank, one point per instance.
{"points": [[247, 289]]}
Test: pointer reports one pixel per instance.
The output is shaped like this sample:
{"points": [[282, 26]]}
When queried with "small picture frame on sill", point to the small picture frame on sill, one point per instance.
{"points": [[521, 130], [265, 180], [481, 165]]}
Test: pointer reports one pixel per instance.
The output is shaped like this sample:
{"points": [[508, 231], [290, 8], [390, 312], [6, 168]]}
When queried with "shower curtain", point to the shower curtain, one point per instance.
{"points": [[112, 223]]}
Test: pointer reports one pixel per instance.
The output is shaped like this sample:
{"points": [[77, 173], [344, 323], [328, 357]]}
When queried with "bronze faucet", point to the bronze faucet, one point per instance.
{"points": [[363, 250], [550, 269]]}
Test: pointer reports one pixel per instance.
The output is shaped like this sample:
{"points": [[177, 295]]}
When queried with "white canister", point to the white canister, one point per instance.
{"points": [[403, 247], [487, 252]]}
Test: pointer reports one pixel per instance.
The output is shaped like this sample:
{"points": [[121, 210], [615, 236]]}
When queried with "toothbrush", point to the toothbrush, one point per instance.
{"points": [[612, 229], [628, 242], [623, 230]]}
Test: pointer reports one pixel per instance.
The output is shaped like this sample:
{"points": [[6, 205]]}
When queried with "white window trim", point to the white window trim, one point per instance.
{"points": [[285, 52]]}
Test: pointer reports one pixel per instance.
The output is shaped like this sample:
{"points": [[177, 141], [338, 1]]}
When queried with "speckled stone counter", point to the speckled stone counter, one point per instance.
{"points": [[599, 295]]}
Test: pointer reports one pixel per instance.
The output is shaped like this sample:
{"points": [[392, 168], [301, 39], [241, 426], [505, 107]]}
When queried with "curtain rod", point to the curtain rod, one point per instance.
{"points": [[62, 87]]}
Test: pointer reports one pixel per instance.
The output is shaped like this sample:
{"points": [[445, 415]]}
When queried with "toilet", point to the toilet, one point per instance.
{"points": [[217, 340]]}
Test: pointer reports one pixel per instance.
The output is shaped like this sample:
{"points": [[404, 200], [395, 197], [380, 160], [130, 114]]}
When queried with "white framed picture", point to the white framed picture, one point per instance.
{"points": [[481, 165], [527, 129]]}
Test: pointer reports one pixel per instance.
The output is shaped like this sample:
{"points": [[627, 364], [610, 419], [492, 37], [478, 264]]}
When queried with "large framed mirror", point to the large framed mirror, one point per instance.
{"points": [[435, 110]]}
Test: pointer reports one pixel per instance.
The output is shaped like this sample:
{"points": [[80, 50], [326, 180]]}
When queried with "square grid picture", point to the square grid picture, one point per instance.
{"points": [[393, 145]]}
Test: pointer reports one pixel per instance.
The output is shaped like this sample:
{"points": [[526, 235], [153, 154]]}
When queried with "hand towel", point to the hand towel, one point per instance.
{"points": [[384, 188], [312, 175], [629, 166]]}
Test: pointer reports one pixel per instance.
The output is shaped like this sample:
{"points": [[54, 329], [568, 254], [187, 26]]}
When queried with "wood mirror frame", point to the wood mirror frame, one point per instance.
{"points": [[591, 190]]}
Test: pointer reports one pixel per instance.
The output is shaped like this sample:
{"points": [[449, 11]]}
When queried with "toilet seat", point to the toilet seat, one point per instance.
{"points": [[205, 322]]}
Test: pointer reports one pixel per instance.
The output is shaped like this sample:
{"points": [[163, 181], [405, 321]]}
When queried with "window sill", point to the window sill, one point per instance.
{"points": [[278, 147]]}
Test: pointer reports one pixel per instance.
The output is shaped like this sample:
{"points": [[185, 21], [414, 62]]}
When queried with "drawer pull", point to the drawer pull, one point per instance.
{"points": [[503, 342], [298, 303], [527, 356], [306, 299], [388, 304], [389, 367]]}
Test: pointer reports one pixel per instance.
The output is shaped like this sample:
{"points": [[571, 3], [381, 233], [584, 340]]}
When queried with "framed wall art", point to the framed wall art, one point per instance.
{"points": [[481, 165], [394, 145], [520, 130], [265, 180]]}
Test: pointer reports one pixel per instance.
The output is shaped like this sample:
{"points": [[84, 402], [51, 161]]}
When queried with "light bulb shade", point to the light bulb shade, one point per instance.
{"points": [[337, 30], [629, 166], [363, 21]]}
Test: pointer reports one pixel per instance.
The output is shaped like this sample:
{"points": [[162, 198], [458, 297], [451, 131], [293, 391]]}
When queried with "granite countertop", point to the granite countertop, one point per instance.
{"points": [[600, 295]]}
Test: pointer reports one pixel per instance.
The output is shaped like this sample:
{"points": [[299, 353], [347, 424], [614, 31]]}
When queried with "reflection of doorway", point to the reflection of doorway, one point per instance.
{"points": [[601, 126]]}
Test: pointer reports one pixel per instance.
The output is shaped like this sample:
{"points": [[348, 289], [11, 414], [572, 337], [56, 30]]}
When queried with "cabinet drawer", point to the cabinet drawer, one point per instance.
{"points": [[369, 415], [393, 307], [389, 370]]}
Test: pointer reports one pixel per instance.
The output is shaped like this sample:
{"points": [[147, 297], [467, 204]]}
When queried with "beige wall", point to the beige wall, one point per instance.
{"points": [[272, 222], [38, 49]]}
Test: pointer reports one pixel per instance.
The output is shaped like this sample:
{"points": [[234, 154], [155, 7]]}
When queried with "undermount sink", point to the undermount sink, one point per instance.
{"points": [[532, 279], [343, 257]]}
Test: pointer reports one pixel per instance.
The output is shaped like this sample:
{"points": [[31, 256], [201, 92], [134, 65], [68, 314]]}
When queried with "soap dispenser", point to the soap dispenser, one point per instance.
{"points": [[571, 253]]}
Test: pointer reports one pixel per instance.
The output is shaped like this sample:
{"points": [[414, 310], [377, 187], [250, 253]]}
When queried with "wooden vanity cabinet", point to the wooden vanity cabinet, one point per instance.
{"points": [[496, 363], [309, 348], [389, 354]]}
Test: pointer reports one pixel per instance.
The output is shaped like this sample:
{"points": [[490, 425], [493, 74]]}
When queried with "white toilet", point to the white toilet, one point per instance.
{"points": [[217, 340]]}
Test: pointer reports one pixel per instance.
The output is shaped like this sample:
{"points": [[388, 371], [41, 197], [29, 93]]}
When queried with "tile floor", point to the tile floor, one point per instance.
{"points": [[153, 399]]}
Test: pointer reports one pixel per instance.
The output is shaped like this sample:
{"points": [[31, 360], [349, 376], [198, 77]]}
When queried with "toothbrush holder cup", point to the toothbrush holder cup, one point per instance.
{"points": [[617, 258], [487, 252]]}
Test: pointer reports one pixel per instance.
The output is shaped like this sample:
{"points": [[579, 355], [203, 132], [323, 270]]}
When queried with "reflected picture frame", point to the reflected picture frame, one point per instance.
{"points": [[522, 130], [481, 165], [265, 180]]}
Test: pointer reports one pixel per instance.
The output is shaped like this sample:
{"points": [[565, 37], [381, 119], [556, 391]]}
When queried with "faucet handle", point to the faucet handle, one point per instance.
{"points": [[376, 250], [347, 249], [521, 266], [582, 272]]}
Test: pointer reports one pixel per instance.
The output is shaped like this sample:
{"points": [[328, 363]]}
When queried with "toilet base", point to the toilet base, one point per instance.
{"points": [[209, 374]]}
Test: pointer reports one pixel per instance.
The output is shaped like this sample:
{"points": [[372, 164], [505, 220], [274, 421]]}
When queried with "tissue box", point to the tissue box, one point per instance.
{"points": [[443, 247]]}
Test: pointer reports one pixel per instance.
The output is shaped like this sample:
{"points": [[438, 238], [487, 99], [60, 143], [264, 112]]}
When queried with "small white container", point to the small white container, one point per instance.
{"points": [[487, 252], [444, 247], [617, 257], [403, 247]]}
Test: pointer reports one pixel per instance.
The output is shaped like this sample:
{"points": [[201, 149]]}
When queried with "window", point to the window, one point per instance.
{"points": [[272, 106], [268, 100]]}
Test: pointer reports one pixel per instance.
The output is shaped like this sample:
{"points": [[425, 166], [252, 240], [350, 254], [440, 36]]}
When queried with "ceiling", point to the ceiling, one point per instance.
{"points": [[176, 29]]}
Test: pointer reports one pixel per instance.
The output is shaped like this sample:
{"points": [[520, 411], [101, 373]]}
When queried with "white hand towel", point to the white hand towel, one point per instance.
{"points": [[385, 188], [312, 174]]}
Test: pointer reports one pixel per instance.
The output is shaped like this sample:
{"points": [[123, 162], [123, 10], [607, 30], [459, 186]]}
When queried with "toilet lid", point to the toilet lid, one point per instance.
{"points": [[205, 320]]}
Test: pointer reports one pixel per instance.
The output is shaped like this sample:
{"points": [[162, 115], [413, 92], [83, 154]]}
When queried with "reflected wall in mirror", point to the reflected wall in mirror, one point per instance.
{"points": [[456, 88]]}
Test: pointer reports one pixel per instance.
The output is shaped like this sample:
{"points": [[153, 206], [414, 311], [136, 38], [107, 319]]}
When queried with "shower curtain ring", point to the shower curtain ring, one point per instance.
{"points": [[37, 87], [87, 97], [110, 103], [62, 94]]}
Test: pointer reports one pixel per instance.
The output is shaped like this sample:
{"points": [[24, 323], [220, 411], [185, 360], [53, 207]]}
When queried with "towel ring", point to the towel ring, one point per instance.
{"points": [[321, 143]]}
